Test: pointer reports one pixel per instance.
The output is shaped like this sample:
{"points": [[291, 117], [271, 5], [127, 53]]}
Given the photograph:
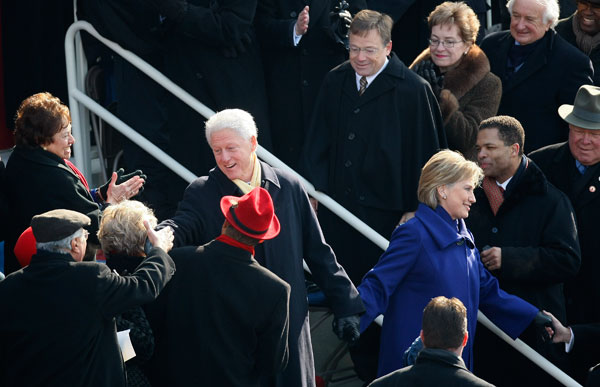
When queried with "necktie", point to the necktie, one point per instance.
{"points": [[363, 85]]}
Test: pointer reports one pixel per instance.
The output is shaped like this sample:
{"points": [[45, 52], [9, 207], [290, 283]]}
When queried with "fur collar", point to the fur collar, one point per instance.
{"points": [[470, 71]]}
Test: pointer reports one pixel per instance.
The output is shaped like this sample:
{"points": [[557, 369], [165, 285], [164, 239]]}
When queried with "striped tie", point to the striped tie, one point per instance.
{"points": [[363, 85]]}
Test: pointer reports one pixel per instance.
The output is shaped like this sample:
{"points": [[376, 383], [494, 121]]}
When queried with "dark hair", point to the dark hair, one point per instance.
{"points": [[509, 128], [367, 20], [238, 236], [39, 118], [444, 323]]}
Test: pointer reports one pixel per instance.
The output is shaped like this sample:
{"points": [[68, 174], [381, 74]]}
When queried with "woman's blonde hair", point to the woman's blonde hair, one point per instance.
{"points": [[445, 168], [122, 228], [459, 14]]}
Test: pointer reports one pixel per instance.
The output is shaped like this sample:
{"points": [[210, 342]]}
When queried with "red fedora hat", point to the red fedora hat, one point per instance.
{"points": [[252, 214]]}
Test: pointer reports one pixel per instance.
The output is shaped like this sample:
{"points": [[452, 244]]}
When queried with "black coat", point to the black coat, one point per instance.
{"points": [[550, 77], [585, 352], [583, 293], [367, 151], [37, 181], [434, 367], [222, 321], [294, 74], [61, 330], [565, 29], [199, 219]]}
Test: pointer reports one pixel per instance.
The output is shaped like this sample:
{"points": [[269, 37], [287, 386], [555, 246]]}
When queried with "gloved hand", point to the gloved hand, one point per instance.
{"points": [[340, 19], [541, 321], [121, 178], [427, 70], [411, 353], [347, 329]]}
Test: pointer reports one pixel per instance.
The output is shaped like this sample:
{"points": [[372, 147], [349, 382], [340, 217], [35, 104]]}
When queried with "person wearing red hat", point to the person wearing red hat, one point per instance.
{"points": [[232, 135], [223, 319]]}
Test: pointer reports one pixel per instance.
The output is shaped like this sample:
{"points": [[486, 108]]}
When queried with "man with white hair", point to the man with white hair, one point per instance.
{"points": [[232, 135], [538, 68]]}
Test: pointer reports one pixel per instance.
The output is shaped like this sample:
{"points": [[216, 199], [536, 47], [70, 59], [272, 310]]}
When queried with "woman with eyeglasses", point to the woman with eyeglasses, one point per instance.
{"points": [[459, 74], [582, 30], [39, 176]]}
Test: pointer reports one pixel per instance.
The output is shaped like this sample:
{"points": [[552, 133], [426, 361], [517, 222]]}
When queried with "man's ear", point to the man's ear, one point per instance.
{"points": [[254, 143], [465, 339], [515, 149], [422, 337]]}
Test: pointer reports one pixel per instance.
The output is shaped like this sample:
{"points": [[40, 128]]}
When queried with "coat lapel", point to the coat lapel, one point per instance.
{"points": [[537, 60]]}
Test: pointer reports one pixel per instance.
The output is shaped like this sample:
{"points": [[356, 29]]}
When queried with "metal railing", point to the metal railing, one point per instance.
{"points": [[79, 101]]}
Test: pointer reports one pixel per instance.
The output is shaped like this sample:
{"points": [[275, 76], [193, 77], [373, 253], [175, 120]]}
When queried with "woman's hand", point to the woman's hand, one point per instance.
{"points": [[116, 193], [162, 238]]}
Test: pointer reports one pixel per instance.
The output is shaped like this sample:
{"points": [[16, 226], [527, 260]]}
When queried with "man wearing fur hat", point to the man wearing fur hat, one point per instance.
{"points": [[574, 167], [223, 320], [57, 327]]}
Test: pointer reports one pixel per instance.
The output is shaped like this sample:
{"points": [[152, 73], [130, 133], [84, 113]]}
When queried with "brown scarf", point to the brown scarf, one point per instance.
{"points": [[585, 42], [494, 193]]}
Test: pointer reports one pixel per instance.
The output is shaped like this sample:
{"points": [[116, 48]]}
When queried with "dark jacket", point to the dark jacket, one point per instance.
{"points": [[565, 29], [222, 321], [470, 94], [199, 219], [37, 181], [585, 351], [583, 293], [366, 152], [61, 329], [550, 77], [294, 74], [434, 367]]}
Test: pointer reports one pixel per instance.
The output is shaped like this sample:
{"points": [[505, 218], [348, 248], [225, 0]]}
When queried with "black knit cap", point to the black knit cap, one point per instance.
{"points": [[55, 225]]}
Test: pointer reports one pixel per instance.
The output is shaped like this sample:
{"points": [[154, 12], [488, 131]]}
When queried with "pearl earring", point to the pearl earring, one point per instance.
{"points": [[444, 197]]}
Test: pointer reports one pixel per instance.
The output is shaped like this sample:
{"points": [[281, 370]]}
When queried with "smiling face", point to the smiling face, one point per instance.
{"points": [[459, 198], [233, 154], [498, 161], [526, 22], [588, 16], [368, 53], [61, 143], [584, 145], [447, 57]]}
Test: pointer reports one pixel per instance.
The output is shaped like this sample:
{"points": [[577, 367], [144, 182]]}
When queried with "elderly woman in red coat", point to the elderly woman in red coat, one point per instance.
{"points": [[433, 254]]}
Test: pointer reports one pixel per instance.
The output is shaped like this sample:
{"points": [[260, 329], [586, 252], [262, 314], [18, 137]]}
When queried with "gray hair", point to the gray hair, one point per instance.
{"points": [[61, 245], [238, 120], [551, 10]]}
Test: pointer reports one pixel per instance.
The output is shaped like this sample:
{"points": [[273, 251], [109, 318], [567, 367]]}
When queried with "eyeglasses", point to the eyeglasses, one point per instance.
{"points": [[583, 4], [369, 51], [85, 235], [445, 43]]}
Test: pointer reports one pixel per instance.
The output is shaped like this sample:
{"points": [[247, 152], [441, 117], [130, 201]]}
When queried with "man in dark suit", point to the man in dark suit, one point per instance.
{"points": [[538, 68], [224, 318], [574, 167], [58, 326], [444, 335]]}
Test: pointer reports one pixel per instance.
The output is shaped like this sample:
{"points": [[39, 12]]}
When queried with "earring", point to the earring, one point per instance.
{"points": [[444, 197]]}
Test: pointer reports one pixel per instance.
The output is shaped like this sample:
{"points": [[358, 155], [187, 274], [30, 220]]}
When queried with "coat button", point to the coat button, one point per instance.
{"points": [[494, 230], [460, 242], [348, 191], [361, 197], [356, 111], [293, 14], [304, 51], [304, 83], [348, 164], [199, 76], [351, 136]]}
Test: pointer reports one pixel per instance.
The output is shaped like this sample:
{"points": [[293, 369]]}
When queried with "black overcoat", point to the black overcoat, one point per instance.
{"points": [[294, 74], [550, 77], [583, 293], [565, 29], [199, 219], [37, 181], [58, 326], [367, 151], [221, 321]]}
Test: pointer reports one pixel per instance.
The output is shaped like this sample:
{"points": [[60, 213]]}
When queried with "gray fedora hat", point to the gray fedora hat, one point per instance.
{"points": [[585, 112]]}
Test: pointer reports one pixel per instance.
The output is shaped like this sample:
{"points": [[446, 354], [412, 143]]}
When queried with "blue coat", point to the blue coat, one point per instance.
{"points": [[427, 257]]}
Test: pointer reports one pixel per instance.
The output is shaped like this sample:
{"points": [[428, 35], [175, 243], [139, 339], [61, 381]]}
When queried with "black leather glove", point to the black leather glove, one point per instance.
{"points": [[340, 19], [541, 321], [121, 178], [347, 329], [427, 70]]}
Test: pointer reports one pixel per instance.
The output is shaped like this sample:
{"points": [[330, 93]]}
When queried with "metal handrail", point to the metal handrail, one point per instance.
{"points": [[78, 99]]}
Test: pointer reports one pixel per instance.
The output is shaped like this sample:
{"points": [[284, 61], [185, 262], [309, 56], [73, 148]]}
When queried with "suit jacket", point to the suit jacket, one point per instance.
{"points": [[431, 255], [199, 219], [37, 181], [58, 326], [558, 164], [550, 77], [434, 367], [222, 321]]}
